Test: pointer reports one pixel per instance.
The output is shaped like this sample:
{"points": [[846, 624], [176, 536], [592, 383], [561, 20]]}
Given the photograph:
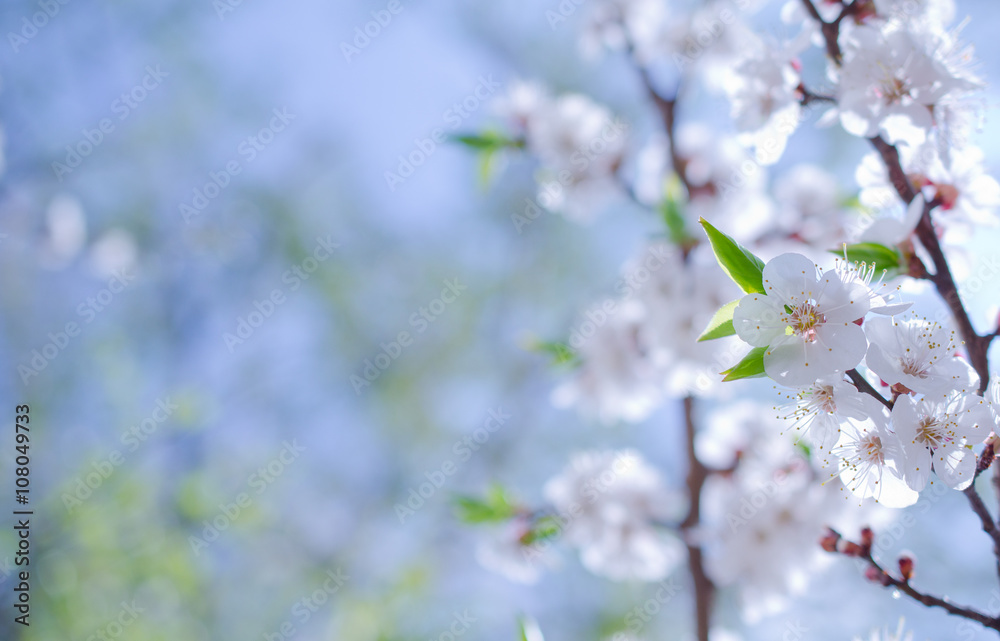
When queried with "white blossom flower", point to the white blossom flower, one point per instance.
{"points": [[579, 143], [765, 92], [764, 98], [617, 379], [644, 25], [871, 461], [805, 319], [808, 206], [918, 355], [942, 432], [890, 229], [884, 634], [992, 397], [817, 410], [504, 552], [679, 298], [611, 502], [890, 80], [965, 191]]}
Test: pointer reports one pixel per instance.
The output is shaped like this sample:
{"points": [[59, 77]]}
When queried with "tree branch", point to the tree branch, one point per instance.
{"points": [[932, 601], [831, 30], [976, 502], [865, 387], [704, 590], [944, 282]]}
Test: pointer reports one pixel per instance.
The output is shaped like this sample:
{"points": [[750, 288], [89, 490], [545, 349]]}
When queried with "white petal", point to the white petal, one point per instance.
{"points": [[956, 466]]}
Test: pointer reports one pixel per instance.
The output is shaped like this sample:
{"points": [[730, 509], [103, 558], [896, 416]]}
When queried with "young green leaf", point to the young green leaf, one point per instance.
{"points": [[752, 366], [545, 528], [740, 263], [492, 508], [721, 324], [487, 140], [888, 258], [528, 630], [561, 353], [670, 209]]}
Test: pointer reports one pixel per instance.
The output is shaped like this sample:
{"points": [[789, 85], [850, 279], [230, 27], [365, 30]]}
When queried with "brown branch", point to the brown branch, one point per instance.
{"points": [[865, 387], [976, 502], [704, 590], [831, 30], [944, 282], [932, 601]]}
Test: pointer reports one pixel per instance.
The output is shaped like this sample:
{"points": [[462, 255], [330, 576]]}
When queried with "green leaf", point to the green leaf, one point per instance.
{"points": [[528, 630], [882, 257], [547, 527], [492, 508], [740, 263], [752, 366], [721, 324], [670, 209], [488, 140], [561, 353]]}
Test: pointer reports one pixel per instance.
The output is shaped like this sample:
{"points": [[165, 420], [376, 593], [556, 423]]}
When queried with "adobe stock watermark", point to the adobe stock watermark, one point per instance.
{"points": [[463, 449], [87, 310], [258, 481], [591, 490], [419, 320], [364, 34], [563, 11], [460, 624], [30, 26], [113, 629], [84, 486], [453, 117], [654, 258], [293, 277], [307, 606], [224, 7], [642, 614], [248, 150], [752, 503], [702, 36], [580, 159], [121, 107]]}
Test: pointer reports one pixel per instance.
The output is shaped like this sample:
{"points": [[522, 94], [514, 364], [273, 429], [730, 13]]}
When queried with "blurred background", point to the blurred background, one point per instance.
{"points": [[199, 247]]}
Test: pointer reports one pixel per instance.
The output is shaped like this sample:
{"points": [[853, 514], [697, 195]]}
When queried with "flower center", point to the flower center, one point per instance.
{"points": [[804, 319], [930, 432], [871, 450], [892, 90], [821, 399], [913, 367]]}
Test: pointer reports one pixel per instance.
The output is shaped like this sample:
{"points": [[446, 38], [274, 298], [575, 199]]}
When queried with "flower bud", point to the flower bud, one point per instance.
{"points": [[850, 548], [876, 575], [867, 539], [829, 540], [988, 455], [906, 566]]}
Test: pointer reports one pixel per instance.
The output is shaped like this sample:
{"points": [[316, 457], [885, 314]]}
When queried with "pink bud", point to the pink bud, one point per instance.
{"points": [[850, 548], [867, 539], [906, 564], [829, 540]]}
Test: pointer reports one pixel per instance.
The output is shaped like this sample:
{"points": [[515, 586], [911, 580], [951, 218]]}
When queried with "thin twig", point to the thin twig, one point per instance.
{"points": [[704, 589], [862, 385], [976, 502], [932, 601]]}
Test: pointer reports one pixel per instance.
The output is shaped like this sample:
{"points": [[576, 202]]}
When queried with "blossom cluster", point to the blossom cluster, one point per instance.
{"points": [[868, 400]]}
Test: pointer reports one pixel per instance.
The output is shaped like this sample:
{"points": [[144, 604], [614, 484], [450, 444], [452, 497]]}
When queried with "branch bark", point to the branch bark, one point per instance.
{"points": [[865, 387], [704, 589], [933, 601]]}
